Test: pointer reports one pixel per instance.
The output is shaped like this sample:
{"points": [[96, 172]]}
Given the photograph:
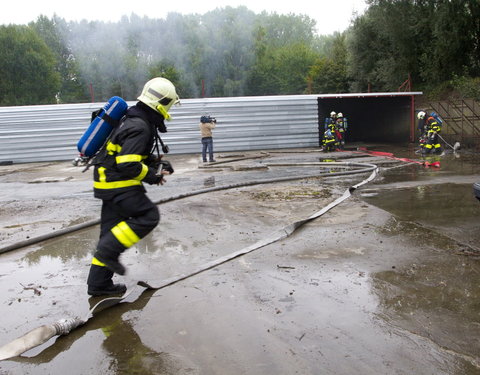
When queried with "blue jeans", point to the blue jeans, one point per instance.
{"points": [[207, 144]]}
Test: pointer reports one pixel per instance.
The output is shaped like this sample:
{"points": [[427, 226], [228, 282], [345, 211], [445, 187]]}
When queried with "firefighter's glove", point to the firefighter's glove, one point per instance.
{"points": [[161, 126], [153, 162], [159, 165], [166, 166], [160, 179]]}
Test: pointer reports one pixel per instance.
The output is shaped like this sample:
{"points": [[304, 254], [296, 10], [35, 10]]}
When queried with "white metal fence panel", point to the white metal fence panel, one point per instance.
{"points": [[51, 132]]}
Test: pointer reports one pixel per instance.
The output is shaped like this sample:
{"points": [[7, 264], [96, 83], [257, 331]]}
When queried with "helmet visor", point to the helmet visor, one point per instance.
{"points": [[163, 111]]}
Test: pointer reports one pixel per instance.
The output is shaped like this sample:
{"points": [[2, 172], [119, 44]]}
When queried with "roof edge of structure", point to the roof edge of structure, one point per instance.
{"points": [[370, 94]]}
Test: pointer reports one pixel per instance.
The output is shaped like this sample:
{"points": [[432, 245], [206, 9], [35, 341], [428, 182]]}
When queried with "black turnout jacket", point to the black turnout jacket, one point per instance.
{"points": [[127, 160]]}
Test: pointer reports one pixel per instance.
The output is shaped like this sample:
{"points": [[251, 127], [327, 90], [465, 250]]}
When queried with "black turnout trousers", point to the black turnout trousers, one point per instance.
{"points": [[125, 220]]}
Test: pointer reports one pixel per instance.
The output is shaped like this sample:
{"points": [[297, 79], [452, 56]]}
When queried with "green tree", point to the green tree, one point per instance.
{"points": [[383, 45], [284, 54], [167, 69], [455, 40], [28, 68], [432, 40], [281, 30], [327, 76], [102, 50], [282, 70], [329, 73], [227, 50], [73, 89]]}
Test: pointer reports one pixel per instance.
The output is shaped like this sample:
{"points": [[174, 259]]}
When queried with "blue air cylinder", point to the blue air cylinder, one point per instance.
{"points": [[101, 126]]}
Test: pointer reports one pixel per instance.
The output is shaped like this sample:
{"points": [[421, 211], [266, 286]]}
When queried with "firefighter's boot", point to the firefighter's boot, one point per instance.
{"points": [[112, 289], [110, 261]]}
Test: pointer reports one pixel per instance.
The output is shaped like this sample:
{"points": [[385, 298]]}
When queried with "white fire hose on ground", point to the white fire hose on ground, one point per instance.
{"points": [[44, 333]]}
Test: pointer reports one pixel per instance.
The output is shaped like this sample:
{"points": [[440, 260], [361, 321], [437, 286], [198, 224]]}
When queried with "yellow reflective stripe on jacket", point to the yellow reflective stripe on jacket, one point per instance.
{"points": [[96, 262], [103, 184], [101, 174], [124, 234], [116, 184], [128, 158], [143, 173], [112, 148]]}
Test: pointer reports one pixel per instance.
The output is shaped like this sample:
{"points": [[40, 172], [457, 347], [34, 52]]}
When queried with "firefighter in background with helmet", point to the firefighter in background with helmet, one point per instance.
{"points": [[330, 121], [124, 164], [422, 126], [341, 126], [329, 140], [431, 129]]}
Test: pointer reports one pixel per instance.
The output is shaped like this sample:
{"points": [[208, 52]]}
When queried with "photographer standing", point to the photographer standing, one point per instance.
{"points": [[207, 123]]}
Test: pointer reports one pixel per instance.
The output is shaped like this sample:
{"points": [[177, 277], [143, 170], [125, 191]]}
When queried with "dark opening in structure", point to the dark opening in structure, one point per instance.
{"points": [[372, 117]]}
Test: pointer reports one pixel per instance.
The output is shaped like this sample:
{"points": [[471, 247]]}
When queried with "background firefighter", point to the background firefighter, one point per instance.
{"points": [[422, 128], [330, 121], [121, 168], [329, 141], [341, 126], [433, 127]]}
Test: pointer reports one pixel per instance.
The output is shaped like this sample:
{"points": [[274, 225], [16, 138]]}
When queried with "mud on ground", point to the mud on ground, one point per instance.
{"points": [[375, 286]]}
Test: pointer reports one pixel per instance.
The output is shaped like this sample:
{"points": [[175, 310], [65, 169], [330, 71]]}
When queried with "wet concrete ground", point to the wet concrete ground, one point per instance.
{"points": [[388, 282]]}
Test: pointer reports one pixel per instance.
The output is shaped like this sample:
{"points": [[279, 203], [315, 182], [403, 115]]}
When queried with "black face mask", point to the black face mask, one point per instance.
{"points": [[161, 126], [154, 117]]}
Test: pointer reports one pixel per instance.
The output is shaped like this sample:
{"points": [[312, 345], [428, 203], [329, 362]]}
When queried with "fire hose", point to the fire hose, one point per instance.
{"points": [[63, 327]]}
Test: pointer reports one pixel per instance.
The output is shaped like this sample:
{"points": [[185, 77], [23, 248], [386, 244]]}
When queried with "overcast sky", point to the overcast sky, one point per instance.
{"points": [[331, 15]]}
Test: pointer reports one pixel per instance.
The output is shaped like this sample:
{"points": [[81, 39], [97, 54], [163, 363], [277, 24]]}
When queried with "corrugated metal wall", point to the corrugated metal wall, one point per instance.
{"points": [[51, 132]]}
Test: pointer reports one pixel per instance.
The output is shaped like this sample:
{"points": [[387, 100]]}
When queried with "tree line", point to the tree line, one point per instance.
{"points": [[235, 52]]}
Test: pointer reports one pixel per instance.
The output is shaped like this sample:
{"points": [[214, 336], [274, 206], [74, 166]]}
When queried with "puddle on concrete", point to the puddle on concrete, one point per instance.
{"points": [[436, 299], [437, 295], [449, 209], [352, 292]]}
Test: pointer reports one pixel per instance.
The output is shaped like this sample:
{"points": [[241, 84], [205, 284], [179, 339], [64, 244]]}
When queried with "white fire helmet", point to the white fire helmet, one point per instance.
{"points": [[159, 94], [333, 114], [340, 114], [421, 115]]}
